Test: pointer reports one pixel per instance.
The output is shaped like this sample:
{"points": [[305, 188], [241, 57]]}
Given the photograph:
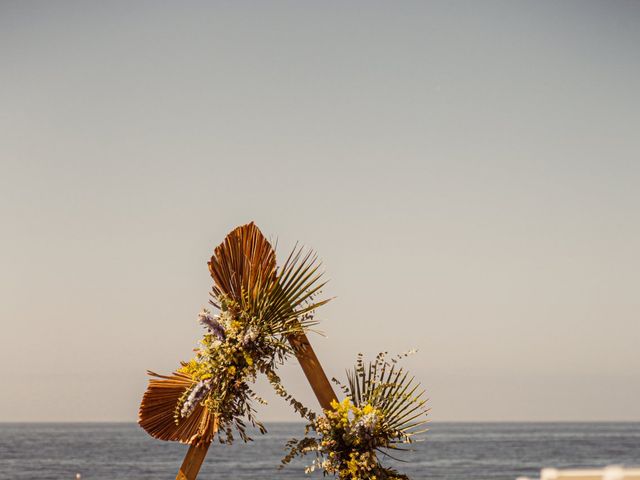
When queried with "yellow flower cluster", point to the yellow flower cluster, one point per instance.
{"points": [[214, 358], [349, 435]]}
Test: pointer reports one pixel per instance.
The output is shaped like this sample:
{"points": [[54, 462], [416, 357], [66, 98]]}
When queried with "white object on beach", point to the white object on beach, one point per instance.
{"points": [[78, 476], [613, 472]]}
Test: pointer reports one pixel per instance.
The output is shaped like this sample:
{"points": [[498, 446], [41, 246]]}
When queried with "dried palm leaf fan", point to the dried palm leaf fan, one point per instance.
{"points": [[264, 313]]}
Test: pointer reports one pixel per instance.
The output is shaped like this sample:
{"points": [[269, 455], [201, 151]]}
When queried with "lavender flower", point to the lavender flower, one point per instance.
{"points": [[196, 395], [209, 321]]}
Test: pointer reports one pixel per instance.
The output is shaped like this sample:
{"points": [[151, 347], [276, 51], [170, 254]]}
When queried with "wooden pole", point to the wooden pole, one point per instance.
{"points": [[313, 370], [193, 461]]}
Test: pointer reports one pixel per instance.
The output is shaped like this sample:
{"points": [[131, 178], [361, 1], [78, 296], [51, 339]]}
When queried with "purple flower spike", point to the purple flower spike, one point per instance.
{"points": [[195, 397], [207, 320]]}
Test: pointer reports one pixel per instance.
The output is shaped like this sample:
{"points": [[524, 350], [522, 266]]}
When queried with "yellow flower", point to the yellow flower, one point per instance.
{"points": [[232, 370], [248, 359], [352, 465]]}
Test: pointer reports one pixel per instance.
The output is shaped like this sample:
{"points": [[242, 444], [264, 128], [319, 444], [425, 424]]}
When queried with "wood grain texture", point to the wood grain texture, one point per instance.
{"points": [[193, 461], [313, 370]]}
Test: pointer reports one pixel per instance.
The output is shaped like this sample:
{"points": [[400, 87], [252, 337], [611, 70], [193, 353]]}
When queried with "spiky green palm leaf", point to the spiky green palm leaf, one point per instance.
{"points": [[388, 387]]}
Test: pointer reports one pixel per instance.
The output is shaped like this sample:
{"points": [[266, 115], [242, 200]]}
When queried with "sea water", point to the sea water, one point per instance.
{"points": [[464, 451]]}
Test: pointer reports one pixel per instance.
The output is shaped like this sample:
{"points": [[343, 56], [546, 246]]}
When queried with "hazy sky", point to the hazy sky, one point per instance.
{"points": [[468, 171]]}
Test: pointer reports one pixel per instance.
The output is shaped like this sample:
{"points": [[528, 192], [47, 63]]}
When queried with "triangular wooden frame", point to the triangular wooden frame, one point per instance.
{"points": [[238, 264]]}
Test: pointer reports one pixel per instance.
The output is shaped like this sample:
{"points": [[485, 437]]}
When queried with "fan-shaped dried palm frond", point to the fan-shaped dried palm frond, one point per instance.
{"points": [[243, 265], [243, 268], [157, 409]]}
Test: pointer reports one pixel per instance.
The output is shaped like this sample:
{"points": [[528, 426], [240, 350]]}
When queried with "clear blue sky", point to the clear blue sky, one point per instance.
{"points": [[468, 171]]}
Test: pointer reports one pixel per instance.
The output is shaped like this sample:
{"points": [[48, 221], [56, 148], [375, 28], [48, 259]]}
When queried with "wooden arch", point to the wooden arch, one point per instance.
{"points": [[238, 262]]}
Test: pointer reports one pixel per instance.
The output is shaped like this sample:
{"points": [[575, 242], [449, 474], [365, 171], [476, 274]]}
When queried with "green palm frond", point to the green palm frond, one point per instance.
{"points": [[389, 388], [293, 294]]}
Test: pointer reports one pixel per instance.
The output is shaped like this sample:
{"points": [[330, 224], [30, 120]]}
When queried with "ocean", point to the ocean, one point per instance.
{"points": [[109, 451]]}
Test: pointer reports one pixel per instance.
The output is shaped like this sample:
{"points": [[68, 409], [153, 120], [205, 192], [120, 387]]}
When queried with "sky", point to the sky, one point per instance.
{"points": [[467, 171]]}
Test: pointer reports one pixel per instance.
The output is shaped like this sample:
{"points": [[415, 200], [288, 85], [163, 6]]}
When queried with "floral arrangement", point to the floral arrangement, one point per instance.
{"points": [[260, 309], [235, 348], [383, 409]]}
